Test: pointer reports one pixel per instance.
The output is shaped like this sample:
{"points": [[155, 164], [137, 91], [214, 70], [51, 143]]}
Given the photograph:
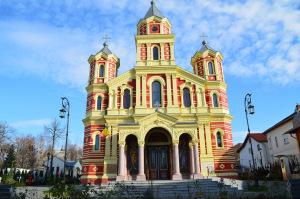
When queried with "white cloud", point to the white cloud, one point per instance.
{"points": [[257, 37], [31, 123]]}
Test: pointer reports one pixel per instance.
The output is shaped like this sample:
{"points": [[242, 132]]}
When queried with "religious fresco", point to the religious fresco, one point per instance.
{"points": [[184, 155], [132, 156]]}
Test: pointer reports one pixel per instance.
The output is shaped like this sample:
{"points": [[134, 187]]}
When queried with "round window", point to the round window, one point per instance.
{"points": [[154, 29]]}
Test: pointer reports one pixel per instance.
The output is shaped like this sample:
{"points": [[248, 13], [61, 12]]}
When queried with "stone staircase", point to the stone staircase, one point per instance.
{"points": [[172, 189], [5, 192], [295, 189]]}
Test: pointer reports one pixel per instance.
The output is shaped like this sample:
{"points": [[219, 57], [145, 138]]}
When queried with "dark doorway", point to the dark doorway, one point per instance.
{"points": [[132, 155], [158, 154], [184, 155]]}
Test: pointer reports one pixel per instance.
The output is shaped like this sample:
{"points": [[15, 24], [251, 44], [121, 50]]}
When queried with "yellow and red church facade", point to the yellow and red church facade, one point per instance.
{"points": [[156, 121]]}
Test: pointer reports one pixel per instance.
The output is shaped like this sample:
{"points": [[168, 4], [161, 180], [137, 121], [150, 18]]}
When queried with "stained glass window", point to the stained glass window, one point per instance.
{"points": [[210, 68], [186, 97], [155, 53], [97, 142], [156, 94], [101, 71], [215, 100], [99, 103], [126, 99], [219, 139]]}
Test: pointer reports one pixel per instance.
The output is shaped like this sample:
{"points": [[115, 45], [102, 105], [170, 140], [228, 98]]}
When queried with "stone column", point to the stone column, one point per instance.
{"points": [[198, 94], [175, 94], [169, 94], [176, 174], [197, 174], [110, 100], [121, 175], [162, 51], [144, 91], [192, 162], [138, 92], [149, 53], [116, 99], [141, 175]]}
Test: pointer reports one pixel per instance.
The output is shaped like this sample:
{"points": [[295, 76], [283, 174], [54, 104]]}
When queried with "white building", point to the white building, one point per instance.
{"points": [[283, 146], [73, 168], [260, 151]]}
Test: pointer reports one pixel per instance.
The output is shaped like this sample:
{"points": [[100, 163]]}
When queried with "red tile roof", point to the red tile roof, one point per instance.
{"points": [[259, 137]]}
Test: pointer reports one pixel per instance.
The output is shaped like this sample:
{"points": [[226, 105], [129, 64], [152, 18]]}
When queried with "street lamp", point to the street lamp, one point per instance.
{"points": [[62, 112], [260, 150], [47, 170], [249, 108]]}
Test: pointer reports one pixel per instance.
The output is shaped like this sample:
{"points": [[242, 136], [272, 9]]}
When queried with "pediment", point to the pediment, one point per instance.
{"points": [[157, 118]]}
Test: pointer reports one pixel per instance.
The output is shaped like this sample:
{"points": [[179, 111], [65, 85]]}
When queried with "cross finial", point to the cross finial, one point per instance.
{"points": [[203, 36], [157, 105], [106, 39]]}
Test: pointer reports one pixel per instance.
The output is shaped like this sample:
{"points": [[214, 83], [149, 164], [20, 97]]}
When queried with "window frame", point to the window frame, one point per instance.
{"points": [[97, 103], [126, 99], [160, 93], [211, 68], [215, 101], [184, 97], [163, 84], [101, 71], [221, 139], [97, 143], [158, 53]]}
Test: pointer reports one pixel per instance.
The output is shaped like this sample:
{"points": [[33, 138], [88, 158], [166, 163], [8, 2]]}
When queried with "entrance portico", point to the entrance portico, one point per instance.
{"points": [[158, 152]]}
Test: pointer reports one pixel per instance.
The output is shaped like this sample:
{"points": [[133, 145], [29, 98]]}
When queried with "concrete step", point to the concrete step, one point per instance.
{"points": [[172, 189], [5, 192]]}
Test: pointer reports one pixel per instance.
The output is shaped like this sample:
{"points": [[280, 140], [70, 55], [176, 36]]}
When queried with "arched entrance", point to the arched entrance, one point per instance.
{"points": [[185, 156], [158, 153]]}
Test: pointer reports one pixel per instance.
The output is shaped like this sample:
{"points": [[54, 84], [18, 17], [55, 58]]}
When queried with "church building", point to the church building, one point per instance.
{"points": [[156, 121]]}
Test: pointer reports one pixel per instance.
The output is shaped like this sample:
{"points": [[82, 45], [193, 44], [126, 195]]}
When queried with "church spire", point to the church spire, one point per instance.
{"points": [[153, 11]]}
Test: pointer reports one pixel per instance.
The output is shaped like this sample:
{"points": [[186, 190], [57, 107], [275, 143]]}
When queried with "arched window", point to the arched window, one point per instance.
{"points": [[126, 99], [99, 103], [211, 68], [215, 100], [97, 142], [101, 71], [186, 97], [156, 94], [155, 53], [219, 139]]}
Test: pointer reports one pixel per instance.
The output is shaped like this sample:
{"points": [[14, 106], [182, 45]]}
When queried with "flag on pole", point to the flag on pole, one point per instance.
{"points": [[105, 132]]}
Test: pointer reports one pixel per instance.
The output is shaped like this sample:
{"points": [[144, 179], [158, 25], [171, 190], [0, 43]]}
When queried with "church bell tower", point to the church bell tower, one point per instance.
{"points": [[154, 40], [207, 63]]}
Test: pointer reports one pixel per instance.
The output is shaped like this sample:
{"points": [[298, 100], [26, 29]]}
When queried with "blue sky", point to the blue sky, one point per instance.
{"points": [[44, 47]]}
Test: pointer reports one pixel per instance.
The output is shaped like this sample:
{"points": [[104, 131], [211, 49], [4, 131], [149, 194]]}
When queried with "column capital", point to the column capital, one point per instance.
{"points": [[141, 142], [175, 142], [195, 142], [122, 143]]}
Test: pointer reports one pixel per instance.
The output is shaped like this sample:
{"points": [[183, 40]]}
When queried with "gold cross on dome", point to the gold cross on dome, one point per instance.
{"points": [[106, 39]]}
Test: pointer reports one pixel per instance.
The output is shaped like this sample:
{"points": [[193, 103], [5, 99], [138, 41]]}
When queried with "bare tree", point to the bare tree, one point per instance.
{"points": [[5, 131], [74, 152], [41, 147], [55, 132], [25, 152]]}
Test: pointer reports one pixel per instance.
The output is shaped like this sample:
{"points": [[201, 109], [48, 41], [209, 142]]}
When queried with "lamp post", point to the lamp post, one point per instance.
{"points": [[65, 109], [47, 170], [249, 109]]}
